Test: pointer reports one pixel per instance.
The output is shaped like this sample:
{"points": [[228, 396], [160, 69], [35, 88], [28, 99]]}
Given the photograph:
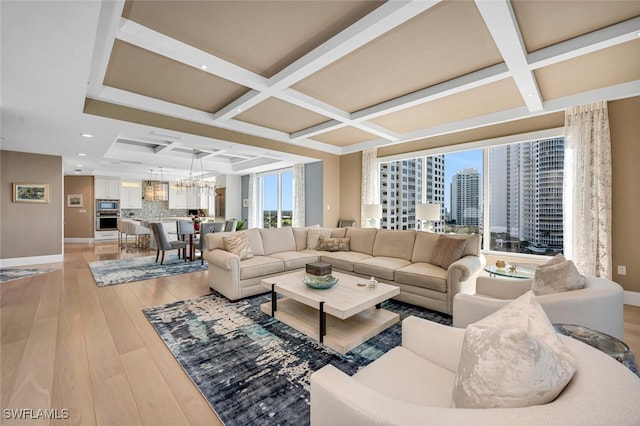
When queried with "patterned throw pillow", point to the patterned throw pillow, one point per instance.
{"points": [[313, 235], [512, 358], [557, 275], [238, 244], [333, 244], [447, 251]]}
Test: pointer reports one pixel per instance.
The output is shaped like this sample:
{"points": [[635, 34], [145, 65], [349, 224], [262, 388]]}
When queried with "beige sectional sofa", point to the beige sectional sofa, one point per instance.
{"points": [[402, 258]]}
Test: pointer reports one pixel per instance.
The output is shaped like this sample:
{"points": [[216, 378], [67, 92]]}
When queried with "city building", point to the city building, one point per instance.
{"points": [[466, 198]]}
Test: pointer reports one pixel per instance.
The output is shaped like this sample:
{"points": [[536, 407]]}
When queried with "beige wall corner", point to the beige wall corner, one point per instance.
{"points": [[331, 188], [350, 186]]}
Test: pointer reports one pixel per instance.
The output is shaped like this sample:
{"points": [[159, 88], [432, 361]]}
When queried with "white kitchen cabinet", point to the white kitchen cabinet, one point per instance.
{"points": [[177, 199], [107, 188], [105, 235], [131, 195], [196, 201]]}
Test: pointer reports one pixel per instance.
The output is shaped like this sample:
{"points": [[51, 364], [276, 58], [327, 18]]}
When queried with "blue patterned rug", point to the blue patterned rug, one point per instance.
{"points": [[252, 368], [119, 271], [14, 274]]}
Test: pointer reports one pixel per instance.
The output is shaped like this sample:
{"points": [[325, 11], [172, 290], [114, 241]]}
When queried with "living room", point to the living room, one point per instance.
{"points": [[457, 110]]}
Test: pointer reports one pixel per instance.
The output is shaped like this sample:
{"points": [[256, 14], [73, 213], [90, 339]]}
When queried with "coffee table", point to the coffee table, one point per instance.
{"points": [[341, 317]]}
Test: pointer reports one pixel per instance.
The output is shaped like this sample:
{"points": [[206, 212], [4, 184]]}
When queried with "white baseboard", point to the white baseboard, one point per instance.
{"points": [[632, 298], [35, 260], [78, 240]]}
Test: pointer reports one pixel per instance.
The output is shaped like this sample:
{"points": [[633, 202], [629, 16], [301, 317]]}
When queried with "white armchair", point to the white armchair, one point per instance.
{"points": [[412, 385], [599, 305]]}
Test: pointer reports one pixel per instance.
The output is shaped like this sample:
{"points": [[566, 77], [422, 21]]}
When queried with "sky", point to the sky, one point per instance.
{"points": [[458, 161], [270, 191]]}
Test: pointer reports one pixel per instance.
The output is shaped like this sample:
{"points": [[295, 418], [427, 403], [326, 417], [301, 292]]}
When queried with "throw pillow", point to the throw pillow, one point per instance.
{"points": [[447, 251], [557, 275], [512, 358], [314, 235], [333, 244], [238, 244]]}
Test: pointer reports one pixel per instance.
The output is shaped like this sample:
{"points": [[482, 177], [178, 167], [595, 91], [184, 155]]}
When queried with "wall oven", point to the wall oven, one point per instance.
{"points": [[107, 221]]}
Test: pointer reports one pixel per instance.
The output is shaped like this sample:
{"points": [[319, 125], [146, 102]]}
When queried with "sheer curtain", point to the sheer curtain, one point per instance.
{"points": [[298, 195], [253, 216], [587, 189], [370, 181]]}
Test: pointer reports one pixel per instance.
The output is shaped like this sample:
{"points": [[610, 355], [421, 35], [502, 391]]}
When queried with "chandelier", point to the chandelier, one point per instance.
{"points": [[197, 185]]}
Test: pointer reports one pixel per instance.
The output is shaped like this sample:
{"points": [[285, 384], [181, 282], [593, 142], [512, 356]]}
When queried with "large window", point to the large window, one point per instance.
{"points": [[276, 199], [520, 213]]}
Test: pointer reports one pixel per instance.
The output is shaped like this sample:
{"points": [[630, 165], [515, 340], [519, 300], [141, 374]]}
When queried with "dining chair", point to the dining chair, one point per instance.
{"points": [[185, 228], [205, 228], [163, 243], [218, 227], [230, 225]]}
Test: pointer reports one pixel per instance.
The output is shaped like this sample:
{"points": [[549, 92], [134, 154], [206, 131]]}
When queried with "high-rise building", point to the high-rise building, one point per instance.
{"points": [[466, 198], [405, 183]]}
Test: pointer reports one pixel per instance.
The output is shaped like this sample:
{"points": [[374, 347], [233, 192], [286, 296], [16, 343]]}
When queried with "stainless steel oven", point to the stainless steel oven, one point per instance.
{"points": [[107, 221]]}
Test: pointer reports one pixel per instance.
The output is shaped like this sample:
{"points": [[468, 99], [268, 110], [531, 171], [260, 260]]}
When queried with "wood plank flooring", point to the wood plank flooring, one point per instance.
{"points": [[67, 344]]}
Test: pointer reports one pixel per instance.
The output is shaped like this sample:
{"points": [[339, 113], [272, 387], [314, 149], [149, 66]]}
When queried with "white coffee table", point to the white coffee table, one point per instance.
{"points": [[341, 317]]}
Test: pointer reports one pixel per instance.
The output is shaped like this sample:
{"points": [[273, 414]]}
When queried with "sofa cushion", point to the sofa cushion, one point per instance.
{"points": [[300, 235], [313, 237], [557, 275], [402, 375], [275, 240], [215, 240], [255, 241], [295, 259], [338, 232], [381, 267], [424, 275], [423, 247], [391, 243], [238, 244], [447, 251], [342, 259], [512, 358], [333, 244], [362, 239], [258, 266]]}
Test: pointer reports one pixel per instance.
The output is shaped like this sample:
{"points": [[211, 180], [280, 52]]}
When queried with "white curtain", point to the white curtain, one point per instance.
{"points": [[253, 216], [587, 189], [370, 181], [298, 195]]}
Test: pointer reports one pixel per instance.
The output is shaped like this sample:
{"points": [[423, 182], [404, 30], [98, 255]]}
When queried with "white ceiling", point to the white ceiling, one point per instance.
{"points": [[55, 55]]}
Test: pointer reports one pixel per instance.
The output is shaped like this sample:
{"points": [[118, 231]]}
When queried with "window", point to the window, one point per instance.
{"points": [[522, 209], [276, 199]]}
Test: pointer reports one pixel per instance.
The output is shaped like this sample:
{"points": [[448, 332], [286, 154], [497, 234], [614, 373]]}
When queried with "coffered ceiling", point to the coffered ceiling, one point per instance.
{"points": [[270, 83]]}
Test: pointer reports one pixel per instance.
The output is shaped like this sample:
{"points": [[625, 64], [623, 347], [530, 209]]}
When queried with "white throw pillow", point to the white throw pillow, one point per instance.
{"points": [[557, 275], [314, 235], [512, 358]]}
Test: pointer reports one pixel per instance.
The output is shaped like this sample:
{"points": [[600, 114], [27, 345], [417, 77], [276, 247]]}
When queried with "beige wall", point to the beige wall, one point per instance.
{"points": [[624, 121], [79, 222], [624, 124], [351, 176], [30, 230]]}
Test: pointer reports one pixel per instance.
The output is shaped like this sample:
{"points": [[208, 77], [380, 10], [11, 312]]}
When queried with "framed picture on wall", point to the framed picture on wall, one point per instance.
{"points": [[31, 193], [74, 200]]}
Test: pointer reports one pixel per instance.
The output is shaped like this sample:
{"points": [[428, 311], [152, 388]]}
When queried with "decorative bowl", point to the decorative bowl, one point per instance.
{"points": [[321, 282]]}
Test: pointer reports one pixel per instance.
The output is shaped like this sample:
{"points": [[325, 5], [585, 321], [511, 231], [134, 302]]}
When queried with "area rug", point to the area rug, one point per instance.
{"points": [[119, 271], [14, 274], [252, 368]]}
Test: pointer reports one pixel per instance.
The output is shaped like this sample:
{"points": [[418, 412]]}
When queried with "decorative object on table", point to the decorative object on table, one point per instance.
{"points": [[318, 268], [372, 283], [253, 369], [14, 274], [372, 214], [196, 223], [500, 264], [120, 271], [427, 214], [320, 282], [31, 193], [75, 200]]}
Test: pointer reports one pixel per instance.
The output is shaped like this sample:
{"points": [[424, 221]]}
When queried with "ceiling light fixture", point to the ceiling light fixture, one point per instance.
{"points": [[86, 135], [195, 185], [156, 189], [81, 154]]}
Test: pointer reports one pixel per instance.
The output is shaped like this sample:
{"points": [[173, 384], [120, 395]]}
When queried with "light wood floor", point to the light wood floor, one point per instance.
{"points": [[67, 344]]}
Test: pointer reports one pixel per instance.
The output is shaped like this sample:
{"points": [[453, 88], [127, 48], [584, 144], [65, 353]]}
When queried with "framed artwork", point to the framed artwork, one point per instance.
{"points": [[74, 200], [31, 193]]}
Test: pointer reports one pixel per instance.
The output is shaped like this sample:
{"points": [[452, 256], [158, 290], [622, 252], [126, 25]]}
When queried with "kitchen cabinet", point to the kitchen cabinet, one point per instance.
{"points": [[107, 188], [197, 201], [177, 199], [131, 195]]}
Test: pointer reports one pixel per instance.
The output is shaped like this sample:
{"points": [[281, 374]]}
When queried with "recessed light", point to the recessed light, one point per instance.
{"points": [[79, 165], [239, 110], [81, 154], [204, 67], [86, 135]]}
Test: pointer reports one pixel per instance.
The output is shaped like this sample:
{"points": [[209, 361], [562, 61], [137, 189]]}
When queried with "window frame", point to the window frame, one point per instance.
{"points": [[486, 187], [260, 176]]}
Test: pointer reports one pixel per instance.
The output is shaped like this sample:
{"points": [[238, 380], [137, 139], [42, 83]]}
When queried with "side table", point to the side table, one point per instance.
{"points": [[613, 347]]}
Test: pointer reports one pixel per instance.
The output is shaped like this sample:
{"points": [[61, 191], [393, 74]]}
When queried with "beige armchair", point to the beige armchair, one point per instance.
{"points": [[598, 305], [412, 385]]}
